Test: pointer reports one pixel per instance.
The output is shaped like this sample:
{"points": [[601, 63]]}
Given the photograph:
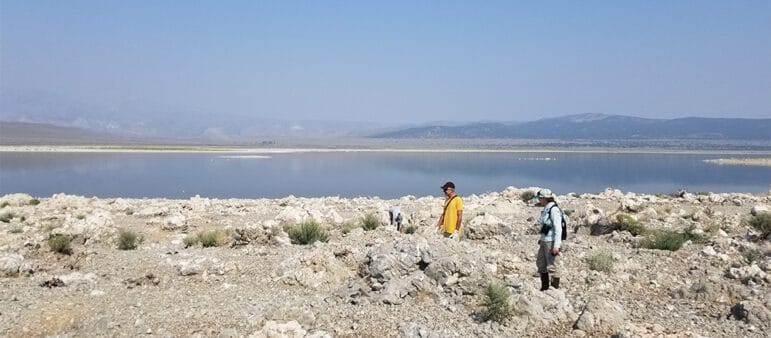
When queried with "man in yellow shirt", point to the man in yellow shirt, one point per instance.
{"points": [[452, 216]]}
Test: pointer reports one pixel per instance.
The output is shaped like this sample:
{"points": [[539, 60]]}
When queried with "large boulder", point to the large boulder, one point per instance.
{"points": [[10, 263], [601, 317], [16, 200], [486, 226], [396, 259], [314, 269]]}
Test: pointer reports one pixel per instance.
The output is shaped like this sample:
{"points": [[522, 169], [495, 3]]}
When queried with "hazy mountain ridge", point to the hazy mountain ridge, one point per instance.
{"points": [[600, 127]]}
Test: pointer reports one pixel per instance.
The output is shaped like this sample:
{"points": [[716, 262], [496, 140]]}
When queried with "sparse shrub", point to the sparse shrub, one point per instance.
{"points": [[601, 261], [496, 302], [752, 255], [307, 232], [370, 222], [350, 226], [283, 204], [34, 201], [190, 240], [761, 222], [712, 227], [671, 240], [527, 195], [212, 238], [410, 229], [4, 204], [129, 212], [16, 230], [60, 244], [6, 217], [128, 240], [81, 217], [629, 223], [703, 193]]}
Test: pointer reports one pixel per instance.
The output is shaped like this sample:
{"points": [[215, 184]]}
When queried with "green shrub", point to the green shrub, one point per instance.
{"points": [[703, 193], [283, 204], [762, 223], [630, 224], [601, 261], [4, 204], [410, 229], [752, 255], [81, 217], [60, 244], [34, 201], [190, 240], [527, 195], [212, 238], [671, 240], [307, 232], [6, 217], [370, 222], [496, 302], [128, 240], [350, 226]]}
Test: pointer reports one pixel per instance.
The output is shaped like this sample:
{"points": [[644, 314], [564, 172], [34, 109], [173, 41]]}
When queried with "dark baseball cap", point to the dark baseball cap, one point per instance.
{"points": [[448, 185]]}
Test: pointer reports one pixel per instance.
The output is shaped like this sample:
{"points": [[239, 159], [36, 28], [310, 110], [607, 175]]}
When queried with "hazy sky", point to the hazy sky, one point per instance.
{"points": [[407, 61]]}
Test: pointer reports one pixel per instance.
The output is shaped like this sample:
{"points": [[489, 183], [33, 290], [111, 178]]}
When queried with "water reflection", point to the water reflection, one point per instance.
{"points": [[387, 175]]}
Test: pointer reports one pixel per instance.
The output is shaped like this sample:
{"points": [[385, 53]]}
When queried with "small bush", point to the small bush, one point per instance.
{"points": [[410, 229], [370, 222], [762, 223], [527, 195], [703, 193], [128, 240], [6, 217], [16, 230], [34, 201], [212, 238], [496, 303], [671, 240], [4, 204], [60, 244], [602, 261], [629, 223], [752, 256], [81, 217], [283, 204], [307, 232], [350, 226], [190, 240]]}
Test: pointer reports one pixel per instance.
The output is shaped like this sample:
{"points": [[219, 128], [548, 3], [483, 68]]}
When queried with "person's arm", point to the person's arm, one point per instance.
{"points": [[556, 223], [460, 220]]}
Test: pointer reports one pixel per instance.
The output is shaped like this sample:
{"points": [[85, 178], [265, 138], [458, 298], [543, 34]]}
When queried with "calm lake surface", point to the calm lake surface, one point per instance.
{"points": [[351, 174]]}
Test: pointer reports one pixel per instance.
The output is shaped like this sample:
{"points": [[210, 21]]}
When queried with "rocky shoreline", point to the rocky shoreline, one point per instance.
{"points": [[255, 282]]}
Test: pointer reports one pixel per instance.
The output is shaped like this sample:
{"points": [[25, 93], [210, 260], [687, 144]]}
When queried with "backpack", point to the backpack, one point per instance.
{"points": [[564, 222]]}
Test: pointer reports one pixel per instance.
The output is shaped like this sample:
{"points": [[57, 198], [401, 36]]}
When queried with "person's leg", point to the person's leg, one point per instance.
{"points": [[542, 263], [554, 269]]}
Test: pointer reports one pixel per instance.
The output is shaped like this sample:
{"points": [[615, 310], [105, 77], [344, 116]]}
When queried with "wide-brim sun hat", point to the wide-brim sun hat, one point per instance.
{"points": [[545, 193]]}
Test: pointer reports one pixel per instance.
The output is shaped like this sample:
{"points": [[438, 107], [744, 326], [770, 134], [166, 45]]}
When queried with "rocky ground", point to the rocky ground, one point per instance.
{"points": [[379, 282]]}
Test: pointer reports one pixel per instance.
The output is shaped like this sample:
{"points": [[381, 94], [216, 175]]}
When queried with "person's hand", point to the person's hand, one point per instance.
{"points": [[454, 235], [555, 251]]}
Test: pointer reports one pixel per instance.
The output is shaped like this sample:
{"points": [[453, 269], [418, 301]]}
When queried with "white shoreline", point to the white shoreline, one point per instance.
{"points": [[232, 150]]}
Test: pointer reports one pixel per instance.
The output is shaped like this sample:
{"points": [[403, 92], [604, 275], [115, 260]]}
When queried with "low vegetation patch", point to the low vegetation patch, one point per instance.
{"points": [[4, 204], [370, 222], [527, 195], [207, 238], [410, 229], [16, 230], [601, 261], [762, 223], [496, 302], [307, 232], [350, 226], [60, 244], [671, 240], [128, 240], [752, 256], [628, 223], [34, 201]]}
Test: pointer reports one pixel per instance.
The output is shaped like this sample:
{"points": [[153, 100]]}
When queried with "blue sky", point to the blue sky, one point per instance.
{"points": [[390, 61]]}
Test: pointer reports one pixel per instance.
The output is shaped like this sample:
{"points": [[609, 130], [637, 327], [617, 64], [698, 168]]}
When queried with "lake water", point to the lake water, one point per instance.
{"points": [[351, 174]]}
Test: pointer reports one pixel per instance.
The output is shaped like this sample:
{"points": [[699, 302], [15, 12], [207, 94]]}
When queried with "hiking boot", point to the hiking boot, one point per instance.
{"points": [[544, 281], [555, 282]]}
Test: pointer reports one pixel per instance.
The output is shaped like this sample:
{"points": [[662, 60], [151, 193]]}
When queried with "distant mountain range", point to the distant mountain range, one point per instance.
{"points": [[598, 127]]}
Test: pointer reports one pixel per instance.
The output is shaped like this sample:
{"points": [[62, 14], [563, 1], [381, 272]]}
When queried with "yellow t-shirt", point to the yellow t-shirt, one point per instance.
{"points": [[451, 214]]}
